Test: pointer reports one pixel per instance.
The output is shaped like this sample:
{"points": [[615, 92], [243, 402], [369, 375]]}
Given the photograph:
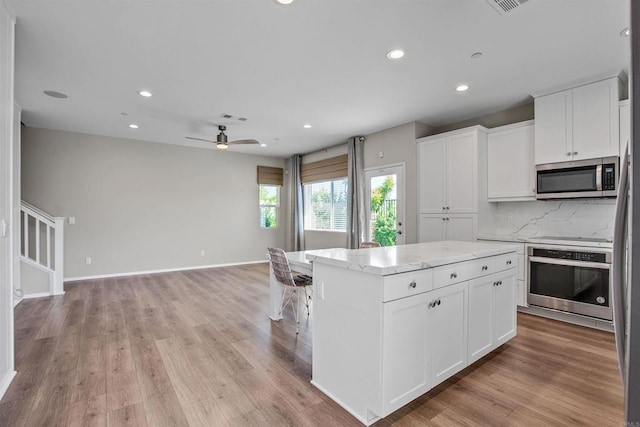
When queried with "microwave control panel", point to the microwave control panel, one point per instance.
{"points": [[608, 177]]}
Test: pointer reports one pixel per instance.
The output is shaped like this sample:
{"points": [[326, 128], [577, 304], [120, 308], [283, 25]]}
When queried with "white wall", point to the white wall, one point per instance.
{"points": [[143, 206], [7, 31]]}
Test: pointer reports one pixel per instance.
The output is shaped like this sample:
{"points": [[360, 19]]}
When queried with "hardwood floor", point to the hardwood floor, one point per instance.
{"points": [[197, 348]]}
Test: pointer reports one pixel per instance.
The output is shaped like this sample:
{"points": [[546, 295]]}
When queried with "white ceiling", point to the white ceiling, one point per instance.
{"points": [[316, 61]]}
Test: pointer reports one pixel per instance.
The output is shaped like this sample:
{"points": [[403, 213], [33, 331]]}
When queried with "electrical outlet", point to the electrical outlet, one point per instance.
{"points": [[509, 215], [72, 220], [381, 154], [321, 290], [87, 260], [202, 252]]}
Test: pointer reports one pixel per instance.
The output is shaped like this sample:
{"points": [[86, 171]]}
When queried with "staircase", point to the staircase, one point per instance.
{"points": [[41, 253]]}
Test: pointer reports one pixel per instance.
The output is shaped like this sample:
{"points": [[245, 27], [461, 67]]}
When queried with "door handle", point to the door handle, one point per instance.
{"points": [[399, 231]]}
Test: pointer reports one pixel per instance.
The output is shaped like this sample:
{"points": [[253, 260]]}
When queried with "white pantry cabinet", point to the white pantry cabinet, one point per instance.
{"points": [[448, 171], [511, 163], [579, 123], [434, 228]]}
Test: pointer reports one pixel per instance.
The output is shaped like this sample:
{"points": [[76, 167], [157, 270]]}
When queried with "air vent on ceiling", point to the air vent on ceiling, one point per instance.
{"points": [[231, 117], [226, 116], [505, 6]]}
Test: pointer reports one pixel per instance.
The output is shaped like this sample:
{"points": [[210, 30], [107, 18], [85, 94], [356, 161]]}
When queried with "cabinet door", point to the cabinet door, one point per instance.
{"points": [[461, 227], [481, 317], [625, 126], [461, 173], [432, 228], [447, 325], [405, 360], [595, 120], [511, 164], [431, 175], [504, 307], [553, 131]]}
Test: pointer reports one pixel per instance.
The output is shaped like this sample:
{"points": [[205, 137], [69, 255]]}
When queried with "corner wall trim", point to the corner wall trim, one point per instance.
{"points": [[6, 381], [166, 270]]}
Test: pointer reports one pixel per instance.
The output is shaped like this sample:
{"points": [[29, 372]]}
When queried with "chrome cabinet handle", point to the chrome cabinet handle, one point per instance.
{"points": [[443, 208], [569, 153], [453, 276], [575, 153], [447, 207], [447, 219], [508, 262], [444, 219], [439, 301], [412, 285], [485, 268]]}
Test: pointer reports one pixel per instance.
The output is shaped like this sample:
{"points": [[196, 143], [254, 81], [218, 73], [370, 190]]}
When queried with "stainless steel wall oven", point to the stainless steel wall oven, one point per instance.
{"points": [[570, 279]]}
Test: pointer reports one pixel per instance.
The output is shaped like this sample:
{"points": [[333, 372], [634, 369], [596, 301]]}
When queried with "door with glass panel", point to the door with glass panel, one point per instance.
{"points": [[384, 205]]}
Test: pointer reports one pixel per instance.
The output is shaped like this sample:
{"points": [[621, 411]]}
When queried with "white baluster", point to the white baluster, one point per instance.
{"points": [[38, 241], [48, 246]]}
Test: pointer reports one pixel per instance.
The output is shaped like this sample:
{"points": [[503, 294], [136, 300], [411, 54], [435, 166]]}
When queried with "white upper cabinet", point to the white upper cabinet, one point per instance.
{"points": [[511, 165], [579, 123], [448, 171]]}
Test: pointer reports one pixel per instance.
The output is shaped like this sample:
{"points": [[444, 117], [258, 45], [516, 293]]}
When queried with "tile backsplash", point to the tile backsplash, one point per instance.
{"points": [[562, 218]]}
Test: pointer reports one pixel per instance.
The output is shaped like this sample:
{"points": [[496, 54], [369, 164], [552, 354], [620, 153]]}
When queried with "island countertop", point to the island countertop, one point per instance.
{"points": [[403, 258]]}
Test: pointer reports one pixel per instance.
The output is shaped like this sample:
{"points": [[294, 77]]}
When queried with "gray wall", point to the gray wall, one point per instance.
{"points": [[145, 206], [499, 118]]}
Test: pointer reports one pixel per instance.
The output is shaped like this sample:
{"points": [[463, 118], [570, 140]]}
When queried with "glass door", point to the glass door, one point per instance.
{"points": [[384, 205]]}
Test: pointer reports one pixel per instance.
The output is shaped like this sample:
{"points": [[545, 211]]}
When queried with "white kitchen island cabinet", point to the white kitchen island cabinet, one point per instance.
{"points": [[391, 323]]}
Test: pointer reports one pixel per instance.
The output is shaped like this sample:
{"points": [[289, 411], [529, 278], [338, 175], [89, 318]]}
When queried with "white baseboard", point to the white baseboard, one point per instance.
{"points": [[36, 295], [6, 381], [166, 270]]}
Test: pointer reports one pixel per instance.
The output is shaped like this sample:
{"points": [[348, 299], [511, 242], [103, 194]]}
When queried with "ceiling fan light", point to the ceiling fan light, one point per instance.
{"points": [[222, 146]]}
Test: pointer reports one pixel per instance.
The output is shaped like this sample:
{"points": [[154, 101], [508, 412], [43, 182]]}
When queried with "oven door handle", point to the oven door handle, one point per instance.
{"points": [[570, 262]]}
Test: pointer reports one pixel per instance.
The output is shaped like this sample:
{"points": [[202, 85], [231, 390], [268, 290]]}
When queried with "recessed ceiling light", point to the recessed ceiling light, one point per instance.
{"points": [[145, 93], [395, 54], [134, 126], [476, 55], [307, 126], [284, 1], [263, 145], [624, 33], [462, 88], [54, 94]]}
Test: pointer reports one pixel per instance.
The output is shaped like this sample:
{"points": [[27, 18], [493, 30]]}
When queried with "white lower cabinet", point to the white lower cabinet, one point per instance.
{"points": [[406, 366], [492, 313], [425, 342], [434, 228]]}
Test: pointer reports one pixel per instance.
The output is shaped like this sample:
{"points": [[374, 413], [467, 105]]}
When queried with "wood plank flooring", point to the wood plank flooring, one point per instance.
{"points": [[197, 348]]}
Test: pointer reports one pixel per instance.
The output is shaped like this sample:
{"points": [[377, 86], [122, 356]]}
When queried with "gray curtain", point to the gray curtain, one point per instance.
{"points": [[355, 192], [297, 205]]}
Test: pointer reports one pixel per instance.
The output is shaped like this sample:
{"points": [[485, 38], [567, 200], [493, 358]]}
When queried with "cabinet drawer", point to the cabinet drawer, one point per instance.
{"points": [[481, 267], [450, 274], [406, 284], [507, 261]]}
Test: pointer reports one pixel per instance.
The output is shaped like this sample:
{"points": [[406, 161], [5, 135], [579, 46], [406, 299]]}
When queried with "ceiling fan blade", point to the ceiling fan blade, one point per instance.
{"points": [[243, 141], [200, 139]]}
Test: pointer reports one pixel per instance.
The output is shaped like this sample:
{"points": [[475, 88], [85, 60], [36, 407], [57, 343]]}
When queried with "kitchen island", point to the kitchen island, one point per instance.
{"points": [[391, 323]]}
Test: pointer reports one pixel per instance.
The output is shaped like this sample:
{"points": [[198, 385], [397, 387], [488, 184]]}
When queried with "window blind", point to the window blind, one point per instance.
{"points": [[270, 175], [324, 170]]}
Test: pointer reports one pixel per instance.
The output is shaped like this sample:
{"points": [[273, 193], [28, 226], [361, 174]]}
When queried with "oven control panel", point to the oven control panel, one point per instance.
{"points": [[572, 255], [609, 177]]}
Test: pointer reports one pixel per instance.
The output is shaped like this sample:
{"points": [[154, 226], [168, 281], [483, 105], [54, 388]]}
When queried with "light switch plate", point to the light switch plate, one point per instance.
{"points": [[87, 260], [72, 220]]}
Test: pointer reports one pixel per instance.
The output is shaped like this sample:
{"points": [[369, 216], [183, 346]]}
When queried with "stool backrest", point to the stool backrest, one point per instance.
{"points": [[280, 266], [364, 245]]}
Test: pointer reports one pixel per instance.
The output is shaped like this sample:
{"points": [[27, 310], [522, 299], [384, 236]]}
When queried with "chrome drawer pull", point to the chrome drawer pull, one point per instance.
{"points": [[509, 262], [453, 276], [485, 268], [412, 285]]}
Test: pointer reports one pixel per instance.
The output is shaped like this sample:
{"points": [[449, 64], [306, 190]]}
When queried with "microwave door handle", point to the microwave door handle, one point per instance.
{"points": [[570, 262], [599, 178]]}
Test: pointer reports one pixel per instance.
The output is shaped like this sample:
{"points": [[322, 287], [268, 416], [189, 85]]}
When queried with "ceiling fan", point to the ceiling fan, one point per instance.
{"points": [[221, 140]]}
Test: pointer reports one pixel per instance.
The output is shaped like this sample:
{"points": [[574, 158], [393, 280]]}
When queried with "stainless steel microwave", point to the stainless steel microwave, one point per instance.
{"points": [[591, 178]]}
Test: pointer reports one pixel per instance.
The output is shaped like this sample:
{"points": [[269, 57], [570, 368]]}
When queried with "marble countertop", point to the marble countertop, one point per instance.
{"points": [[546, 241], [403, 258]]}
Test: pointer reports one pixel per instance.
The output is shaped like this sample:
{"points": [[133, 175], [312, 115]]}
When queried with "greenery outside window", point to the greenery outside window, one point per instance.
{"points": [[269, 204], [325, 205]]}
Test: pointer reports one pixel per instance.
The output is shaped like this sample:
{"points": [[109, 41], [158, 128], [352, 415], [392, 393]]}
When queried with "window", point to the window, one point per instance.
{"points": [[325, 205], [269, 204]]}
